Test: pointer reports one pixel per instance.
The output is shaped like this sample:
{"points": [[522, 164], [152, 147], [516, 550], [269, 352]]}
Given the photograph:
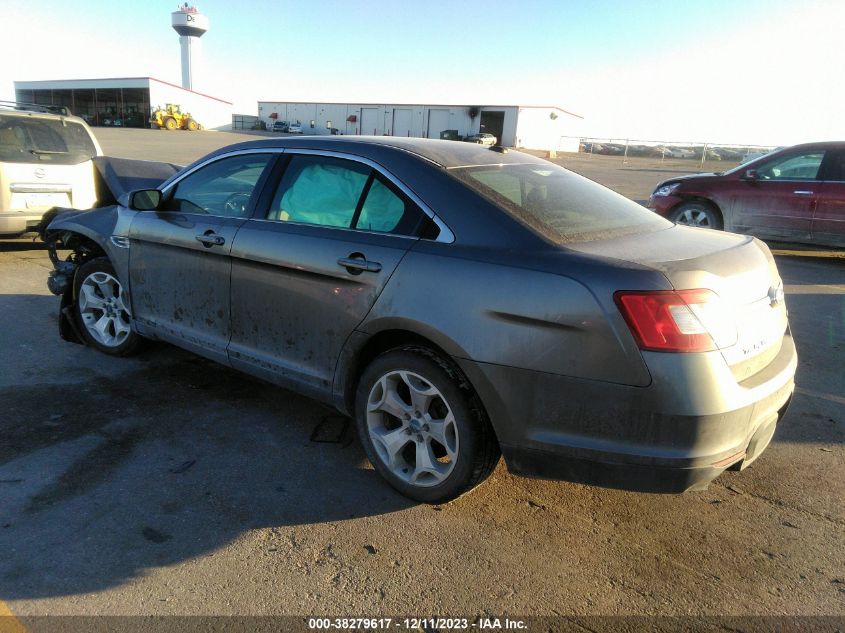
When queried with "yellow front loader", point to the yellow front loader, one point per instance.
{"points": [[171, 118]]}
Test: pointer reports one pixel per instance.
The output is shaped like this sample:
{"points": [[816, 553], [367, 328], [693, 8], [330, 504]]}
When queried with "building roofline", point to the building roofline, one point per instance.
{"points": [[551, 107], [202, 94], [161, 81], [428, 105]]}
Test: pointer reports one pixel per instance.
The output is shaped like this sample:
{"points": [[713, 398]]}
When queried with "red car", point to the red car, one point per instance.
{"points": [[795, 194]]}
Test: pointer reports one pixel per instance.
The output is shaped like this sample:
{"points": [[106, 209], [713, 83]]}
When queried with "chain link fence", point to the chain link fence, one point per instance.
{"points": [[628, 150]]}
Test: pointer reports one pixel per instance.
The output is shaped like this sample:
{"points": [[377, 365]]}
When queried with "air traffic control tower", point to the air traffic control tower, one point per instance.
{"points": [[190, 24]]}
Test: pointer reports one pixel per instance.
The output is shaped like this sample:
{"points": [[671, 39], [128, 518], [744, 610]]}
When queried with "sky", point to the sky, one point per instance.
{"points": [[764, 72]]}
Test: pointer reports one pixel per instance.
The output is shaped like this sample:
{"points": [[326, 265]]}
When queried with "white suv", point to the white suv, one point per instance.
{"points": [[45, 161]]}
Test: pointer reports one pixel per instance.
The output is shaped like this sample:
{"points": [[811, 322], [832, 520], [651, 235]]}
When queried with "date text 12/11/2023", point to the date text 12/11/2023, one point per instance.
{"points": [[481, 623]]}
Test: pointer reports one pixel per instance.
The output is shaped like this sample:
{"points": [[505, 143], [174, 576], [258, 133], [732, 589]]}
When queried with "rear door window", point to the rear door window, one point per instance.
{"points": [[339, 193], [835, 168], [385, 210], [319, 190]]}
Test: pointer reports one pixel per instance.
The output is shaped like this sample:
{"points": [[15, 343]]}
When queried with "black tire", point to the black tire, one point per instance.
{"points": [[697, 213], [124, 346], [478, 451]]}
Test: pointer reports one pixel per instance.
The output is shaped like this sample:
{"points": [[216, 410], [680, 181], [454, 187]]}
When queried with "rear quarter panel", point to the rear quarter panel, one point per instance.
{"points": [[500, 313]]}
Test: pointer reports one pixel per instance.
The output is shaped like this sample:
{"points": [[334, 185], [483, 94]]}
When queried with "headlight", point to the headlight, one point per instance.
{"points": [[666, 190]]}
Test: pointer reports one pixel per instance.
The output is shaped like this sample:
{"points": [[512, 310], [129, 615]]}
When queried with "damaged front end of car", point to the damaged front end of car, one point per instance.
{"points": [[64, 230], [101, 231]]}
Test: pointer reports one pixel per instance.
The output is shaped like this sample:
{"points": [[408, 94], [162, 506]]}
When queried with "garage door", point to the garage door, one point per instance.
{"points": [[370, 121], [402, 122], [438, 120]]}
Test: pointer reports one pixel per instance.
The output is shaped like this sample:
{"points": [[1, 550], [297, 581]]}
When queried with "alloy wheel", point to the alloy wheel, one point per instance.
{"points": [[695, 217], [103, 310], [412, 428]]}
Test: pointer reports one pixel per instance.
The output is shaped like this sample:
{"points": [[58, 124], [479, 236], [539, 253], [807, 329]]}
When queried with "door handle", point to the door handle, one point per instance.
{"points": [[211, 240], [357, 264], [803, 192]]}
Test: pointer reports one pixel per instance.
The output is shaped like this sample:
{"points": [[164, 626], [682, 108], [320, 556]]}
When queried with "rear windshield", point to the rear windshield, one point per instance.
{"points": [[37, 140], [560, 205]]}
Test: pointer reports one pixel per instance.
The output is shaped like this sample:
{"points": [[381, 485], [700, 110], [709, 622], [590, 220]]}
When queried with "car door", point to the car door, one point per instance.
{"points": [[779, 200], [829, 218], [179, 265], [308, 268]]}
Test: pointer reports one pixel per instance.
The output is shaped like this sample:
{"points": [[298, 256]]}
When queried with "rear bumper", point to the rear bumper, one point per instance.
{"points": [[13, 222], [638, 473], [675, 435]]}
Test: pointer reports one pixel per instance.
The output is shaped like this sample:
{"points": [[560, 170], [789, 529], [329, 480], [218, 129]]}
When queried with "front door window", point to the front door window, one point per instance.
{"points": [[224, 188], [801, 167]]}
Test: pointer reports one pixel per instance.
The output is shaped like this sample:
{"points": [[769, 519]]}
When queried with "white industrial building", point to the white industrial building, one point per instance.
{"points": [[125, 102], [530, 127]]}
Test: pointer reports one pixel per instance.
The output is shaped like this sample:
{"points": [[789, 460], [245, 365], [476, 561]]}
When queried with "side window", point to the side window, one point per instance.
{"points": [[223, 188], [319, 190], [802, 167], [836, 167], [384, 211]]}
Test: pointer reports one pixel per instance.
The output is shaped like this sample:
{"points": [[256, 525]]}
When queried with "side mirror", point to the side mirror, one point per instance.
{"points": [[751, 174], [145, 200]]}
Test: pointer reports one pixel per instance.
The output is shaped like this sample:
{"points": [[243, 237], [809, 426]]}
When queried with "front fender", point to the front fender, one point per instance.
{"points": [[106, 227]]}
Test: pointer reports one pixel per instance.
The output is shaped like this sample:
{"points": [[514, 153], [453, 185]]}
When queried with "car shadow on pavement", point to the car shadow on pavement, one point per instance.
{"points": [[139, 463], [817, 322], [27, 242]]}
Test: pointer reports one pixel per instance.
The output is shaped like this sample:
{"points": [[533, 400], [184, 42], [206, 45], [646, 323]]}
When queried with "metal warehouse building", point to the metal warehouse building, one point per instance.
{"points": [[124, 102], [531, 127]]}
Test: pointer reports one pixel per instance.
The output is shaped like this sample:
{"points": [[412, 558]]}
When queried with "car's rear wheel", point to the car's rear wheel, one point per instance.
{"points": [[422, 426], [193, 126], [700, 214], [102, 309]]}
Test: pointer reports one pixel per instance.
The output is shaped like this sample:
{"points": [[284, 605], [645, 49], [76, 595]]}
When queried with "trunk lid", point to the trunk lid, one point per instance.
{"points": [[739, 269]]}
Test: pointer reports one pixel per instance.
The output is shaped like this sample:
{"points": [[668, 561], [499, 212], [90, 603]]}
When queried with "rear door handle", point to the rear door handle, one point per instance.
{"points": [[211, 240], [357, 264], [803, 192]]}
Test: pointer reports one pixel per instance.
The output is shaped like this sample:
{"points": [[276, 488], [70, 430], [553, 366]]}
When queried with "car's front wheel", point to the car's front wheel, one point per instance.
{"points": [[698, 214], [422, 426], [102, 309]]}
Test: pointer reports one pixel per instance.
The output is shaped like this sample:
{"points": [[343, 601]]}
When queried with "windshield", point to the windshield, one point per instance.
{"points": [[38, 140], [751, 159], [560, 205]]}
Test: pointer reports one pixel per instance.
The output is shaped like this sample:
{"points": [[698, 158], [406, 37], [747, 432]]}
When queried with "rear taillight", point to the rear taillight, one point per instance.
{"points": [[677, 321]]}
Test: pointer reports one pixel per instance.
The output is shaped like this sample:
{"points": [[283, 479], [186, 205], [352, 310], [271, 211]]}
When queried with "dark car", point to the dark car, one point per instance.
{"points": [[793, 194], [456, 301], [280, 126]]}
